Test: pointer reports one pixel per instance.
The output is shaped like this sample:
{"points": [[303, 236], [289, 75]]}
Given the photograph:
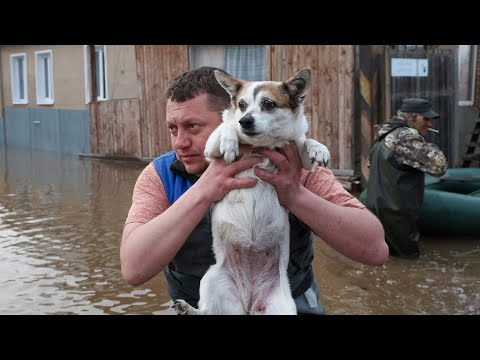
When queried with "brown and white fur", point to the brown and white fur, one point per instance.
{"points": [[250, 228]]}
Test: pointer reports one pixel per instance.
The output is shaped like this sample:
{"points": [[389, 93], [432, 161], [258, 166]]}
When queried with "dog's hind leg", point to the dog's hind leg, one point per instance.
{"points": [[218, 293], [184, 308], [280, 300]]}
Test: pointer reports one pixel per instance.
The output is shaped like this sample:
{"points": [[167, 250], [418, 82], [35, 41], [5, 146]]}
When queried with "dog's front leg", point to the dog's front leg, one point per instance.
{"points": [[312, 152], [212, 147], [229, 147], [223, 142]]}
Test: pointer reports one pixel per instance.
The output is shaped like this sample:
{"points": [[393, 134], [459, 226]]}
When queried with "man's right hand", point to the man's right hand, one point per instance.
{"points": [[219, 178]]}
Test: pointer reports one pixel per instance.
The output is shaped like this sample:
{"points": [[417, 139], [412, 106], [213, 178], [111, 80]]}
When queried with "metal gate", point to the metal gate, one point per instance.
{"points": [[437, 87]]}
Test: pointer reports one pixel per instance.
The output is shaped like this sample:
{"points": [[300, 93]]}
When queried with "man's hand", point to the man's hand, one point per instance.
{"points": [[287, 180], [219, 178]]}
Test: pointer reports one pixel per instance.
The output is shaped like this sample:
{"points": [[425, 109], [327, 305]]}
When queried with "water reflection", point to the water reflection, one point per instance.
{"points": [[444, 280], [61, 220]]}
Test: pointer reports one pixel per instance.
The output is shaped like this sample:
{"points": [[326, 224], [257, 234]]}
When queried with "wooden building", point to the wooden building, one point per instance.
{"points": [[353, 89]]}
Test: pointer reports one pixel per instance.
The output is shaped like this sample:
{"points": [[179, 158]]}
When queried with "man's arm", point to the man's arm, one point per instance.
{"points": [[411, 149], [147, 248], [354, 232]]}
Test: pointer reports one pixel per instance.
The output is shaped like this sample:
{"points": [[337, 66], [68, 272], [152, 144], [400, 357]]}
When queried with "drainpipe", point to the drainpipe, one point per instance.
{"points": [[93, 99], [2, 101]]}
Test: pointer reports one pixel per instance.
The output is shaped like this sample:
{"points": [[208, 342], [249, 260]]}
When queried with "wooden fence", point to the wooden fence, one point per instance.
{"points": [[115, 128], [329, 104]]}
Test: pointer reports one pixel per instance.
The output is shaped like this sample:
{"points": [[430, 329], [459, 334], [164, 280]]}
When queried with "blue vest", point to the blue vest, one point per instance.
{"points": [[195, 257]]}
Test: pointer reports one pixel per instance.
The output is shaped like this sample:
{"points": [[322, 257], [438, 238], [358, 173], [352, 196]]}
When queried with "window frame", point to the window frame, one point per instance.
{"points": [[102, 86], [472, 72], [42, 79], [15, 79]]}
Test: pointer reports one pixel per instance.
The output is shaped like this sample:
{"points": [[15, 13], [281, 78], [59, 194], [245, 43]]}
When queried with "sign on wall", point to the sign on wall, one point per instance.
{"points": [[409, 67]]}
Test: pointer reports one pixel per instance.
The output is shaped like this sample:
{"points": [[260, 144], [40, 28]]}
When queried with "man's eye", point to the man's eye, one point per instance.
{"points": [[267, 104], [172, 129], [242, 105], [193, 126]]}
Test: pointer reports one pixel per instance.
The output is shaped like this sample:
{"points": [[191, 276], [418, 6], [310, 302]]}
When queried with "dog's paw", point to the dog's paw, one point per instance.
{"points": [[229, 149], [181, 307], [317, 152], [210, 154], [211, 149]]}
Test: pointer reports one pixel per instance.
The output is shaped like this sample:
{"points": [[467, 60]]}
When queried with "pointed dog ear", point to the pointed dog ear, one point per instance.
{"points": [[229, 83], [298, 84]]}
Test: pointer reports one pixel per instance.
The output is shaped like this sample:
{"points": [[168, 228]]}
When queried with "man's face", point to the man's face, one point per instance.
{"points": [[190, 124], [421, 124]]}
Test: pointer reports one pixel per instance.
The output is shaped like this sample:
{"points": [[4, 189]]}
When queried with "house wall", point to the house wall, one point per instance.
{"points": [[63, 126], [59, 130], [122, 72], [68, 75]]}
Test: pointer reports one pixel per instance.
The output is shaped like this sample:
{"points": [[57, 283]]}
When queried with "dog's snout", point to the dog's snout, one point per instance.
{"points": [[247, 122]]}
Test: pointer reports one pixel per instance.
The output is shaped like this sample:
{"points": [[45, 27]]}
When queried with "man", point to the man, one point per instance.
{"points": [[168, 227], [398, 161]]}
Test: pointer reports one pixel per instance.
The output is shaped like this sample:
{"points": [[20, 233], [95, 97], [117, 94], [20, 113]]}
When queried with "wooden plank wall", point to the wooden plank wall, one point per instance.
{"points": [[157, 66], [115, 127], [329, 102]]}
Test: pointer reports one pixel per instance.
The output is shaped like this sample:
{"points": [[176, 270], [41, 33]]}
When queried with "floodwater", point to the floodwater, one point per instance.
{"points": [[61, 219]]}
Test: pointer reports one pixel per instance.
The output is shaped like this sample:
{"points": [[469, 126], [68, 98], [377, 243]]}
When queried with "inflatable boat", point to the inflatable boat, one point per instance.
{"points": [[451, 204]]}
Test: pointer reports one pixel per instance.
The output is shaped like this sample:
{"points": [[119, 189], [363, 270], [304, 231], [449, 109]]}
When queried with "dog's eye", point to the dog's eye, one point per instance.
{"points": [[267, 104], [242, 105]]}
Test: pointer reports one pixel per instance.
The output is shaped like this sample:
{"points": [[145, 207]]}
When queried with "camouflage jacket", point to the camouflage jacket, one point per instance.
{"points": [[410, 148]]}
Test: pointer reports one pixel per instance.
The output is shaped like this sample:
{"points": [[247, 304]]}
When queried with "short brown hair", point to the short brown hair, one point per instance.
{"points": [[199, 81]]}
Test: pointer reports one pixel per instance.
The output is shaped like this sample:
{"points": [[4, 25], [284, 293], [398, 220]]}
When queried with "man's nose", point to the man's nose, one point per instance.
{"points": [[182, 140]]}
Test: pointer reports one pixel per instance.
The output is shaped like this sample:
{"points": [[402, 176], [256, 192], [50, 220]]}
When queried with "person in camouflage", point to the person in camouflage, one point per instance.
{"points": [[398, 161]]}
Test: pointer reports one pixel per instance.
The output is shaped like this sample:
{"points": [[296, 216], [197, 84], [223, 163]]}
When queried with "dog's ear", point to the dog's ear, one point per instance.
{"points": [[298, 84], [228, 82]]}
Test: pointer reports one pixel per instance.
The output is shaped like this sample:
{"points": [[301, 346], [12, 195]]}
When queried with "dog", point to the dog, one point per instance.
{"points": [[250, 228]]}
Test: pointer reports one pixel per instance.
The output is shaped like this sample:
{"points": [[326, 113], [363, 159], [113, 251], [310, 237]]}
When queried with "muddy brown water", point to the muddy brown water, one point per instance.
{"points": [[61, 219]]}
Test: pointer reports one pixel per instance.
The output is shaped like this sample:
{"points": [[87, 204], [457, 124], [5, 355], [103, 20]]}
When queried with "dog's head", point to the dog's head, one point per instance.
{"points": [[268, 113]]}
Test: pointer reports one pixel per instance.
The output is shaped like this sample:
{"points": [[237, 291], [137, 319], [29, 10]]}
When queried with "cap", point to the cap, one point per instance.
{"points": [[419, 106]]}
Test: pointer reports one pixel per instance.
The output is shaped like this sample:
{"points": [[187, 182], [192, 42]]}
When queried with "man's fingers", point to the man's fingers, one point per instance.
{"points": [[242, 165], [273, 155], [264, 175], [290, 150], [243, 183]]}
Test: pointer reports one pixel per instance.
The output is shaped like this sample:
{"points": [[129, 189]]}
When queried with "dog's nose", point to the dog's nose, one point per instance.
{"points": [[247, 122]]}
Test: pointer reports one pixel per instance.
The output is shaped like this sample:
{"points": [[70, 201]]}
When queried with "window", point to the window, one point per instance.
{"points": [[246, 62], [18, 71], [100, 73], [467, 65], [44, 77]]}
